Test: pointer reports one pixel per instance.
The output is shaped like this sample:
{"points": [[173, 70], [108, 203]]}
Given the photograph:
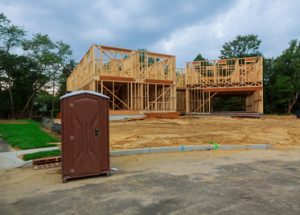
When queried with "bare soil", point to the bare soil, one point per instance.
{"points": [[279, 131]]}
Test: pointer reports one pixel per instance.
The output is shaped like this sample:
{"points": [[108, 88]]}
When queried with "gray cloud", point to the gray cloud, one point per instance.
{"points": [[182, 28]]}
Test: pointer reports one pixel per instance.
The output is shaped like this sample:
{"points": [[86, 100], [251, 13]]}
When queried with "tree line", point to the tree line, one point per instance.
{"points": [[281, 74], [33, 72]]}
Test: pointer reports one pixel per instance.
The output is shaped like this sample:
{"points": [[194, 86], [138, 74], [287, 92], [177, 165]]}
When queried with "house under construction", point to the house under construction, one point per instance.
{"points": [[135, 80], [206, 81], [143, 81]]}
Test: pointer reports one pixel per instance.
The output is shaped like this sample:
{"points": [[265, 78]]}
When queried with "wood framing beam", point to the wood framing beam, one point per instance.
{"points": [[114, 104], [117, 79], [208, 100], [231, 89], [131, 97], [114, 96], [162, 94], [154, 54], [110, 48], [187, 100], [154, 81], [235, 93]]}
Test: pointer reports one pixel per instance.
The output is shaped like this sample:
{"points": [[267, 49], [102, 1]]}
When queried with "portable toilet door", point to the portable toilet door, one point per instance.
{"points": [[85, 134]]}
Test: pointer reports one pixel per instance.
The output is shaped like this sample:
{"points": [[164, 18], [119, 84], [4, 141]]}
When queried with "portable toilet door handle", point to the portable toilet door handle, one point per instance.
{"points": [[97, 132]]}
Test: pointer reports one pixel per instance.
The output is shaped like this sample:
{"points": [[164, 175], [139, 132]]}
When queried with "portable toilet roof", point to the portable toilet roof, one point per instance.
{"points": [[84, 92]]}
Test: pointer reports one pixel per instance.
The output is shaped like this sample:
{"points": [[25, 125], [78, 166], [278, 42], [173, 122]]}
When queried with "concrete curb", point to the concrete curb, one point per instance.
{"points": [[10, 160], [16, 162], [29, 151], [186, 148]]}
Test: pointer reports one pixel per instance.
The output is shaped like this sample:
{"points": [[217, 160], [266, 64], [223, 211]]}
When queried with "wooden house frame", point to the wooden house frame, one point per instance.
{"points": [[207, 79], [134, 80]]}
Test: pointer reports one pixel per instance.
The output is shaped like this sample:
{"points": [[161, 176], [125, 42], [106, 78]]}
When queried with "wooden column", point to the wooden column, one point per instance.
{"points": [[187, 100]]}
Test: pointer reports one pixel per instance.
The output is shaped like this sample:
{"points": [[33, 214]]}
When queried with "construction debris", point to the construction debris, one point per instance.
{"points": [[46, 163]]}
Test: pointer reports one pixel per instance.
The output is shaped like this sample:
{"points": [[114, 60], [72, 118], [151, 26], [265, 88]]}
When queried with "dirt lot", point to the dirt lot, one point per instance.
{"points": [[207, 182], [279, 131]]}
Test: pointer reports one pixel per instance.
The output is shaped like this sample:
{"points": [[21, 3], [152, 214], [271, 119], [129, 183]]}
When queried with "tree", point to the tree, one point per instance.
{"points": [[68, 68], [50, 57], [287, 80], [22, 73], [39, 51], [269, 79], [199, 57], [11, 36], [241, 46], [61, 58], [37, 66]]}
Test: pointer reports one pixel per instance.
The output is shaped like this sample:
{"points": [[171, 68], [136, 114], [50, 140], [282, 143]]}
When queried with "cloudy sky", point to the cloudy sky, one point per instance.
{"points": [[182, 28]]}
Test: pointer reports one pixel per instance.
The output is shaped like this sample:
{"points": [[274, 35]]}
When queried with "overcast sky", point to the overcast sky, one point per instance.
{"points": [[182, 28]]}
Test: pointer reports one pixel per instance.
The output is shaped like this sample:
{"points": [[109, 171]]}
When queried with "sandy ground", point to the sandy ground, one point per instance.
{"points": [[203, 182], [279, 131], [207, 182]]}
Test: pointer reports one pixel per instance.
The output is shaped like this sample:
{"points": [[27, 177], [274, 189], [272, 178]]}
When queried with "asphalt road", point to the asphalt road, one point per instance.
{"points": [[214, 182]]}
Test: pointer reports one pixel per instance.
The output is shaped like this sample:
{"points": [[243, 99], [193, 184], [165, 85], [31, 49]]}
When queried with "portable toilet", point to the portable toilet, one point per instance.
{"points": [[85, 134]]}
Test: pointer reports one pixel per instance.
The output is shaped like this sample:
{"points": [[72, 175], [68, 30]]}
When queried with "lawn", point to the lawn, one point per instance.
{"points": [[43, 154], [25, 134]]}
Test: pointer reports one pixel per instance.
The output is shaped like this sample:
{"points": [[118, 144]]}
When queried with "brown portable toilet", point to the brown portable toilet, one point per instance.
{"points": [[85, 134]]}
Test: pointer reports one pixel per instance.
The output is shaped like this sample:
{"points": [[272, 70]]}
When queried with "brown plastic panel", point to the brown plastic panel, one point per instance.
{"points": [[85, 135]]}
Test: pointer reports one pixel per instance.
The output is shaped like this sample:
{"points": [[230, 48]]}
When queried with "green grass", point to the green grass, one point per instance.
{"points": [[44, 154], [26, 134]]}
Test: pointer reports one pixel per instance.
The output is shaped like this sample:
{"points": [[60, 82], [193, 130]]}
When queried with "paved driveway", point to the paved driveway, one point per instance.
{"points": [[214, 182]]}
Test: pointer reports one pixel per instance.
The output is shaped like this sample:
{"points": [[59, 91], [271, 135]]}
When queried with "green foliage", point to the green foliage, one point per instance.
{"points": [[66, 71], [282, 79], [42, 103], [10, 35], [143, 58], [229, 103], [26, 135], [52, 58], [17, 75], [241, 46], [269, 77], [199, 57], [40, 67], [43, 154]]}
